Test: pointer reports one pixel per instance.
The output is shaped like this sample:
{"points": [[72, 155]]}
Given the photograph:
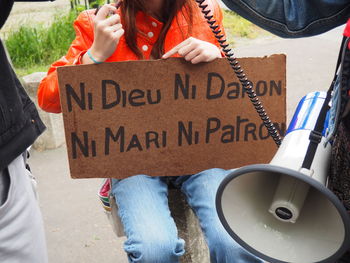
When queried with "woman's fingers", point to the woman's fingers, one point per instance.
{"points": [[112, 20], [115, 27], [175, 49], [186, 49], [199, 58], [105, 11], [192, 54], [107, 32], [195, 50], [171, 52], [117, 35]]}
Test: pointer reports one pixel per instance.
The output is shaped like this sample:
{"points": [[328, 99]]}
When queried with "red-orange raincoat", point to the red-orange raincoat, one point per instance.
{"points": [[149, 29]]}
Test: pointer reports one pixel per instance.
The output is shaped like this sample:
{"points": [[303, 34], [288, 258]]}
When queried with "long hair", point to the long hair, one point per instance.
{"points": [[170, 10]]}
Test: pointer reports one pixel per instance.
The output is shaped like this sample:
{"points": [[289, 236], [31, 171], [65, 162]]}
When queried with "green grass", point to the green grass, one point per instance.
{"points": [[34, 48], [238, 27]]}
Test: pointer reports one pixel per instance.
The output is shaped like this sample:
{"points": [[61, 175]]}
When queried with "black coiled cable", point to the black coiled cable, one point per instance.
{"points": [[240, 73]]}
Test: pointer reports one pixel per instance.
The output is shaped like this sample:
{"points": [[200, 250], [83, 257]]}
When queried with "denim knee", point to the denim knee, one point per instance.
{"points": [[155, 251]]}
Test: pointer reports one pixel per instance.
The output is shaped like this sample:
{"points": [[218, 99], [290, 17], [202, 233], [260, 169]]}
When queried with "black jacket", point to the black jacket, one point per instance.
{"points": [[20, 124]]}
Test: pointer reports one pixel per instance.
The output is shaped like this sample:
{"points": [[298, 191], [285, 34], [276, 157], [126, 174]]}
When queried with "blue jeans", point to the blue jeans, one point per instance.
{"points": [[151, 231]]}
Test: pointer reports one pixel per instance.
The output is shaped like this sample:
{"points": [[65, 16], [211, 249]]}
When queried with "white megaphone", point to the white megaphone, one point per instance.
{"points": [[282, 212]]}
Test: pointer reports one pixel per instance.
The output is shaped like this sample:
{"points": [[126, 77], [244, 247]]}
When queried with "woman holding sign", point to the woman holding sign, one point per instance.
{"points": [[152, 29]]}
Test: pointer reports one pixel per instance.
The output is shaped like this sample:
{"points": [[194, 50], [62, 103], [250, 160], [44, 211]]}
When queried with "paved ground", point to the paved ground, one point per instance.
{"points": [[76, 228], [33, 12], [310, 61]]}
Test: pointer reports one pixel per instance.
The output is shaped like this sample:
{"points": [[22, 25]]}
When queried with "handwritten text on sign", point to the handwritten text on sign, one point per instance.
{"points": [[168, 117]]}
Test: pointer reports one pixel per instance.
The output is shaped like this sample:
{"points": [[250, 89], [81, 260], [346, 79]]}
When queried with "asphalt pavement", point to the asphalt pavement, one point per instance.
{"points": [[76, 227]]}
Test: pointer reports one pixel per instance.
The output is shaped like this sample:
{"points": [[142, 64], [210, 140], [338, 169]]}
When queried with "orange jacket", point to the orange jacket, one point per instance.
{"points": [[149, 29]]}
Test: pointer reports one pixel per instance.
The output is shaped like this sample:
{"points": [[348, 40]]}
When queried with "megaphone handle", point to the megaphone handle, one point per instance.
{"points": [[240, 73]]}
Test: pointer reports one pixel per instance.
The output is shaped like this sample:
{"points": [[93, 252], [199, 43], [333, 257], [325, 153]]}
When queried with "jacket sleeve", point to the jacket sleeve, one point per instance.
{"points": [[293, 18], [219, 19], [48, 91]]}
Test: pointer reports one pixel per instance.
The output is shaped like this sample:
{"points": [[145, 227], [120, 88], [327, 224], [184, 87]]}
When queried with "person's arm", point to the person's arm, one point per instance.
{"points": [[293, 18], [107, 32], [203, 47], [99, 34], [48, 91]]}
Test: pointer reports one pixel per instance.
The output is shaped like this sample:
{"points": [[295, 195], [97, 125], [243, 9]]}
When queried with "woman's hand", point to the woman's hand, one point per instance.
{"points": [[195, 50], [107, 33]]}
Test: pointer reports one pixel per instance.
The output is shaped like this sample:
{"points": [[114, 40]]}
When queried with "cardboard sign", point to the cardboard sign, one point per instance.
{"points": [[168, 117]]}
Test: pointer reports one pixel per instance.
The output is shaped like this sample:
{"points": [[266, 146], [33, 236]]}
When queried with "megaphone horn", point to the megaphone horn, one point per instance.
{"points": [[283, 212]]}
